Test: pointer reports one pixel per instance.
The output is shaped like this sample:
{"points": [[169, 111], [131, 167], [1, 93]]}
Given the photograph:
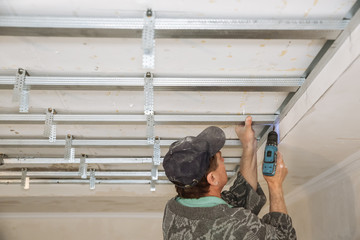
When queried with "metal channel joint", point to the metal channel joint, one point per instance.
{"points": [[157, 152], [25, 180], [149, 106], [92, 179], [148, 40], [155, 164], [83, 167], [69, 150], [21, 90], [50, 126]]}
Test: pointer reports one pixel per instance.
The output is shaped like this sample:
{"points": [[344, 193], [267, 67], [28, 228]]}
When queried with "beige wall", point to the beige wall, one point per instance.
{"points": [[80, 226], [328, 206], [72, 211]]}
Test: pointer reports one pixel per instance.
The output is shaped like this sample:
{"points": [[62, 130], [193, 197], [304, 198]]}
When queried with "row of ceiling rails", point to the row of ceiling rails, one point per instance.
{"points": [[149, 27], [51, 119]]}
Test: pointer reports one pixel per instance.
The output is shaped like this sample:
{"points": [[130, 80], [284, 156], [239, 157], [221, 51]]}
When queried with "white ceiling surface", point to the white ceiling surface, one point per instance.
{"points": [[329, 9], [126, 102], [174, 57]]}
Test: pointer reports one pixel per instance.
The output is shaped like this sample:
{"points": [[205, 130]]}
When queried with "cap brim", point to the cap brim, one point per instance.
{"points": [[215, 137]]}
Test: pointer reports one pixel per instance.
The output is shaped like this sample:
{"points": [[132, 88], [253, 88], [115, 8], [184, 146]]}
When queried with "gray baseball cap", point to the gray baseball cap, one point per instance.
{"points": [[188, 159]]}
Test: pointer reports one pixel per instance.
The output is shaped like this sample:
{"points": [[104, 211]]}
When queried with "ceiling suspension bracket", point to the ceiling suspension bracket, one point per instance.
{"points": [[149, 106], [50, 126], [69, 150], [148, 40], [83, 167], [155, 163], [21, 91], [92, 179], [25, 180], [150, 128]]}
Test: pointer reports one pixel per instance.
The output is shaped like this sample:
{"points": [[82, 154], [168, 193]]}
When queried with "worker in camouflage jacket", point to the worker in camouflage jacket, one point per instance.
{"points": [[202, 210]]}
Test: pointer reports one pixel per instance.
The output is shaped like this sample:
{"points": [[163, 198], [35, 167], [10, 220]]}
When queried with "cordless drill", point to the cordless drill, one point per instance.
{"points": [[270, 156]]}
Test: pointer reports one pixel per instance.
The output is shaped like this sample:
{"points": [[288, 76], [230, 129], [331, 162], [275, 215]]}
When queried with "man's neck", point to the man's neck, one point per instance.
{"points": [[213, 192]]}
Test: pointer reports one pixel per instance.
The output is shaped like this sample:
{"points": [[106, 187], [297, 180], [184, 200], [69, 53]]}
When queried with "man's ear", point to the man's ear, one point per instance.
{"points": [[211, 178]]}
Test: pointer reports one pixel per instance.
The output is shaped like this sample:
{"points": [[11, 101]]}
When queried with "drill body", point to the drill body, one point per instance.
{"points": [[270, 155]]}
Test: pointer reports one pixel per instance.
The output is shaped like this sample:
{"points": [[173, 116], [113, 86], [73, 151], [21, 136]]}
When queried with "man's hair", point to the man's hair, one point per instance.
{"points": [[200, 189]]}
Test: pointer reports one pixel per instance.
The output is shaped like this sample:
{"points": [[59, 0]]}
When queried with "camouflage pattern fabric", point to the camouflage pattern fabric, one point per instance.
{"points": [[222, 222]]}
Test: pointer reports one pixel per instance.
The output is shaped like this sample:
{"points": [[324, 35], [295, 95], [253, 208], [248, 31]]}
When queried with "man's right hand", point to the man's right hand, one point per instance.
{"points": [[280, 174], [277, 201]]}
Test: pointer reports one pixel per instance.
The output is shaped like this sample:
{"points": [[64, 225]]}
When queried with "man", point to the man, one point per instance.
{"points": [[202, 211]]}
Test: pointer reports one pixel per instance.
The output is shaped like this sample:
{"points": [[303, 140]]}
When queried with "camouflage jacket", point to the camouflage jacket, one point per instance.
{"points": [[222, 222]]}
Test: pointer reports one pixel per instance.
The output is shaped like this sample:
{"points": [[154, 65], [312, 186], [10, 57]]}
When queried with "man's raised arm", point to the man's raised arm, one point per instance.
{"points": [[248, 163]]}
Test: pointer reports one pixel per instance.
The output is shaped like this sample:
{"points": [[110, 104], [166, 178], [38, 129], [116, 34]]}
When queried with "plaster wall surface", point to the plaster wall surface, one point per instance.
{"points": [[328, 207], [81, 226]]}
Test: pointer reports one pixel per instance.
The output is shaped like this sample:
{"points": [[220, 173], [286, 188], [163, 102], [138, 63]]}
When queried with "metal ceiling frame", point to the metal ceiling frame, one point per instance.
{"points": [[173, 27], [107, 160], [93, 143], [326, 56], [102, 119], [280, 84], [165, 28], [83, 181], [98, 174]]}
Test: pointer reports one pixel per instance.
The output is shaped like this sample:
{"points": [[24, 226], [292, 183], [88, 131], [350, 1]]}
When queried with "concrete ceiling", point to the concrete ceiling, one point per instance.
{"points": [[318, 128]]}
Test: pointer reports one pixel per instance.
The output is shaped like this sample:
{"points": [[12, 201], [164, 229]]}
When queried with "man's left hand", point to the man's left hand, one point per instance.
{"points": [[246, 133]]}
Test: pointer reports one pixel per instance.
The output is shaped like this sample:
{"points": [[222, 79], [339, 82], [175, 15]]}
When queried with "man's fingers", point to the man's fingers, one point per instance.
{"points": [[280, 160], [248, 121], [279, 157]]}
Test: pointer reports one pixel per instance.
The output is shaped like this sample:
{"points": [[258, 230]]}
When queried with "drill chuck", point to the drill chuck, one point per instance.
{"points": [[272, 138]]}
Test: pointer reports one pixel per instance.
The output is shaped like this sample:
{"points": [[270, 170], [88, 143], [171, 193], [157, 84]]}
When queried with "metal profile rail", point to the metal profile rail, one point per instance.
{"points": [[173, 27], [134, 119], [84, 181], [93, 143], [98, 160], [160, 83], [48, 174], [99, 174]]}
